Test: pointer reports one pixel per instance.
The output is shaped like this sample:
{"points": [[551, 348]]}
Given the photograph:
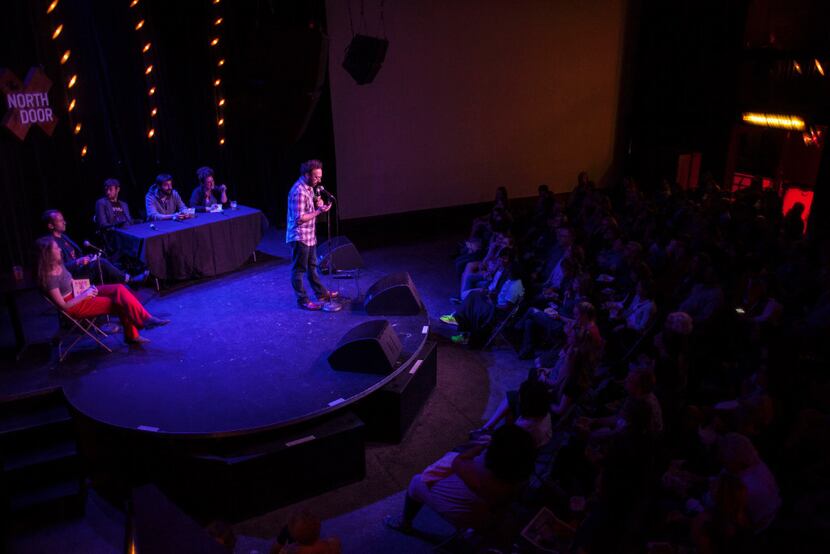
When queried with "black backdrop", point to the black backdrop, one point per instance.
{"points": [[278, 110]]}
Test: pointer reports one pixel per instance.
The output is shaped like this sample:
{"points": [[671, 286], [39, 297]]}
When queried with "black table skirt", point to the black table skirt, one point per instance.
{"points": [[206, 245]]}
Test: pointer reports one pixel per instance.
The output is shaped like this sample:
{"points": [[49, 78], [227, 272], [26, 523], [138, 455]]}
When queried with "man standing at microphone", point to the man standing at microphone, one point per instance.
{"points": [[304, 205]]}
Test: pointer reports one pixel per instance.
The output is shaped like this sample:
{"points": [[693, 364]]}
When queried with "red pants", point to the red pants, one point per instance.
{"points": [[114, 300]]}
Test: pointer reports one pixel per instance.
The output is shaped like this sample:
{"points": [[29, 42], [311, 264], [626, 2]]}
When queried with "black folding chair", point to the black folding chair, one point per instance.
{"points": [[499, 328]]}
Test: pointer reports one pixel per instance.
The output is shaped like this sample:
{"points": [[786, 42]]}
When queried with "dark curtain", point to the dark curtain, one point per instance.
{"points": [[277, 112]]}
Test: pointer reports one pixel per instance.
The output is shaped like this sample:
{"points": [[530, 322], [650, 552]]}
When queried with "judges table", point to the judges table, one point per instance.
{"points": [[206, 245]]}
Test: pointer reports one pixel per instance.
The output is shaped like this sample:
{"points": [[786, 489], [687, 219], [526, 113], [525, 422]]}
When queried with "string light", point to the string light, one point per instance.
{"points": [[68, 76], [819, 68], [149, 67], [797, 66], [216, 48], [778, 121]]}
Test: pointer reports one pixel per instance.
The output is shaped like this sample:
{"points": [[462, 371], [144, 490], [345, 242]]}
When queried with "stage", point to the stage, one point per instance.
{"points": [[238, 356]]}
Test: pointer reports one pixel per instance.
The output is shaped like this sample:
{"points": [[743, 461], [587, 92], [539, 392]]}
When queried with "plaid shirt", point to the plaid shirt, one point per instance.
{"points": [[300, 201]]}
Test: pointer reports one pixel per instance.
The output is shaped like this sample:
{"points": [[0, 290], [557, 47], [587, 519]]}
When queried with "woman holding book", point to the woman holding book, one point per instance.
{"points": [[56, 283]]}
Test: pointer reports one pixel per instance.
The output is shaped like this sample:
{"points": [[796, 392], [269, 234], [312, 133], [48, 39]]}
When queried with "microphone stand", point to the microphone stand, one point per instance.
{"points": [[331, 305], [109, 328]]}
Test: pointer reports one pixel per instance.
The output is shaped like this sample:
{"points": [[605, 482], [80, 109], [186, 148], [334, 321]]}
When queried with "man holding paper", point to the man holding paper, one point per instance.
{"points": [[92, 266]]}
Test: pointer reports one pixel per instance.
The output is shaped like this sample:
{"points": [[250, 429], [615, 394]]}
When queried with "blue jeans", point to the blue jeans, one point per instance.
{"points": [[304, 260]]}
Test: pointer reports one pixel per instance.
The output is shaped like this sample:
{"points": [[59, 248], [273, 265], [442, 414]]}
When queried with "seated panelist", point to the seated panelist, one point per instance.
{"points": [[163, 201], [110, 212], [91, 266], [207, 194], [56, 283]]}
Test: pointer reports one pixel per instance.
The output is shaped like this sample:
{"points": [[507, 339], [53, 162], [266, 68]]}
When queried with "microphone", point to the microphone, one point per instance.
{"points": [[329, 197], [88, 245]]}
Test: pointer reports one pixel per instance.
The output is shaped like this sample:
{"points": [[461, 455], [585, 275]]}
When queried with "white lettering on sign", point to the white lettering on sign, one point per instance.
{"points": [[27, 100], [39, 115]]}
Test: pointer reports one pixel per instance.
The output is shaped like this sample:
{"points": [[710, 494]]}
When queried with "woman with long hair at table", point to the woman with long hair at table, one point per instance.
{"points": [[118, 300]]}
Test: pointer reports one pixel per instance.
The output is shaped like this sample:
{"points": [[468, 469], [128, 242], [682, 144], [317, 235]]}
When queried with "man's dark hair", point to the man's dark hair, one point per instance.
{"points": [[309, 166], [511, 455], [534, 400], [203, 173], [516, 270], [47, 217], [162, 177], [111, 183]]}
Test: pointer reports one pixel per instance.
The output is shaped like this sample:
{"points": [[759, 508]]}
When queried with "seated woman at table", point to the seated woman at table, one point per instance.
{"points": [[207, 194], [56, 282]]}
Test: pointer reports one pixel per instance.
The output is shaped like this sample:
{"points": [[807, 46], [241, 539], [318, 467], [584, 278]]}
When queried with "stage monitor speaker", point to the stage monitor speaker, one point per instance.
{"points": [[364, 56], [371, 347], [340, 253], [393, 294]]}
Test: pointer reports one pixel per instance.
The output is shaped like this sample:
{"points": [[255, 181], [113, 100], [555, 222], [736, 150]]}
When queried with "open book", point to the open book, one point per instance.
{"points": [[79, 286]]}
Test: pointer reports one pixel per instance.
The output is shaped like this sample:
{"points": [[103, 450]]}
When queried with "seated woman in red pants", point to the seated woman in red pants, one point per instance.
{"points": [[117, 300]]}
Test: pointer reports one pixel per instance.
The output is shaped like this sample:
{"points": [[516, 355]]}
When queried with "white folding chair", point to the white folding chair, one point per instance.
{"points": [[75, 329]]}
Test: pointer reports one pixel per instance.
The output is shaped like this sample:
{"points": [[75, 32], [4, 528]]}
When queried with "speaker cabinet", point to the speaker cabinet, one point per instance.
{"points": [[389, 412], [339, 254], [393, 294], [364, 56], [371, 347]]}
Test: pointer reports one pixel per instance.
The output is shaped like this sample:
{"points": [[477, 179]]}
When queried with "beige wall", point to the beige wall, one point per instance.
{"points": [[474, 94]]}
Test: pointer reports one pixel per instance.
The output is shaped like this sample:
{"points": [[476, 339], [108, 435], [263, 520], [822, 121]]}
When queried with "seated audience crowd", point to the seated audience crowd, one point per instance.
{"points": [[674, 388]]}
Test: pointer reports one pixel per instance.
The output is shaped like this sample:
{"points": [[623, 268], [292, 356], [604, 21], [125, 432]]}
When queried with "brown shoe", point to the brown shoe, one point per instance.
{"points": [[311, 305]]}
